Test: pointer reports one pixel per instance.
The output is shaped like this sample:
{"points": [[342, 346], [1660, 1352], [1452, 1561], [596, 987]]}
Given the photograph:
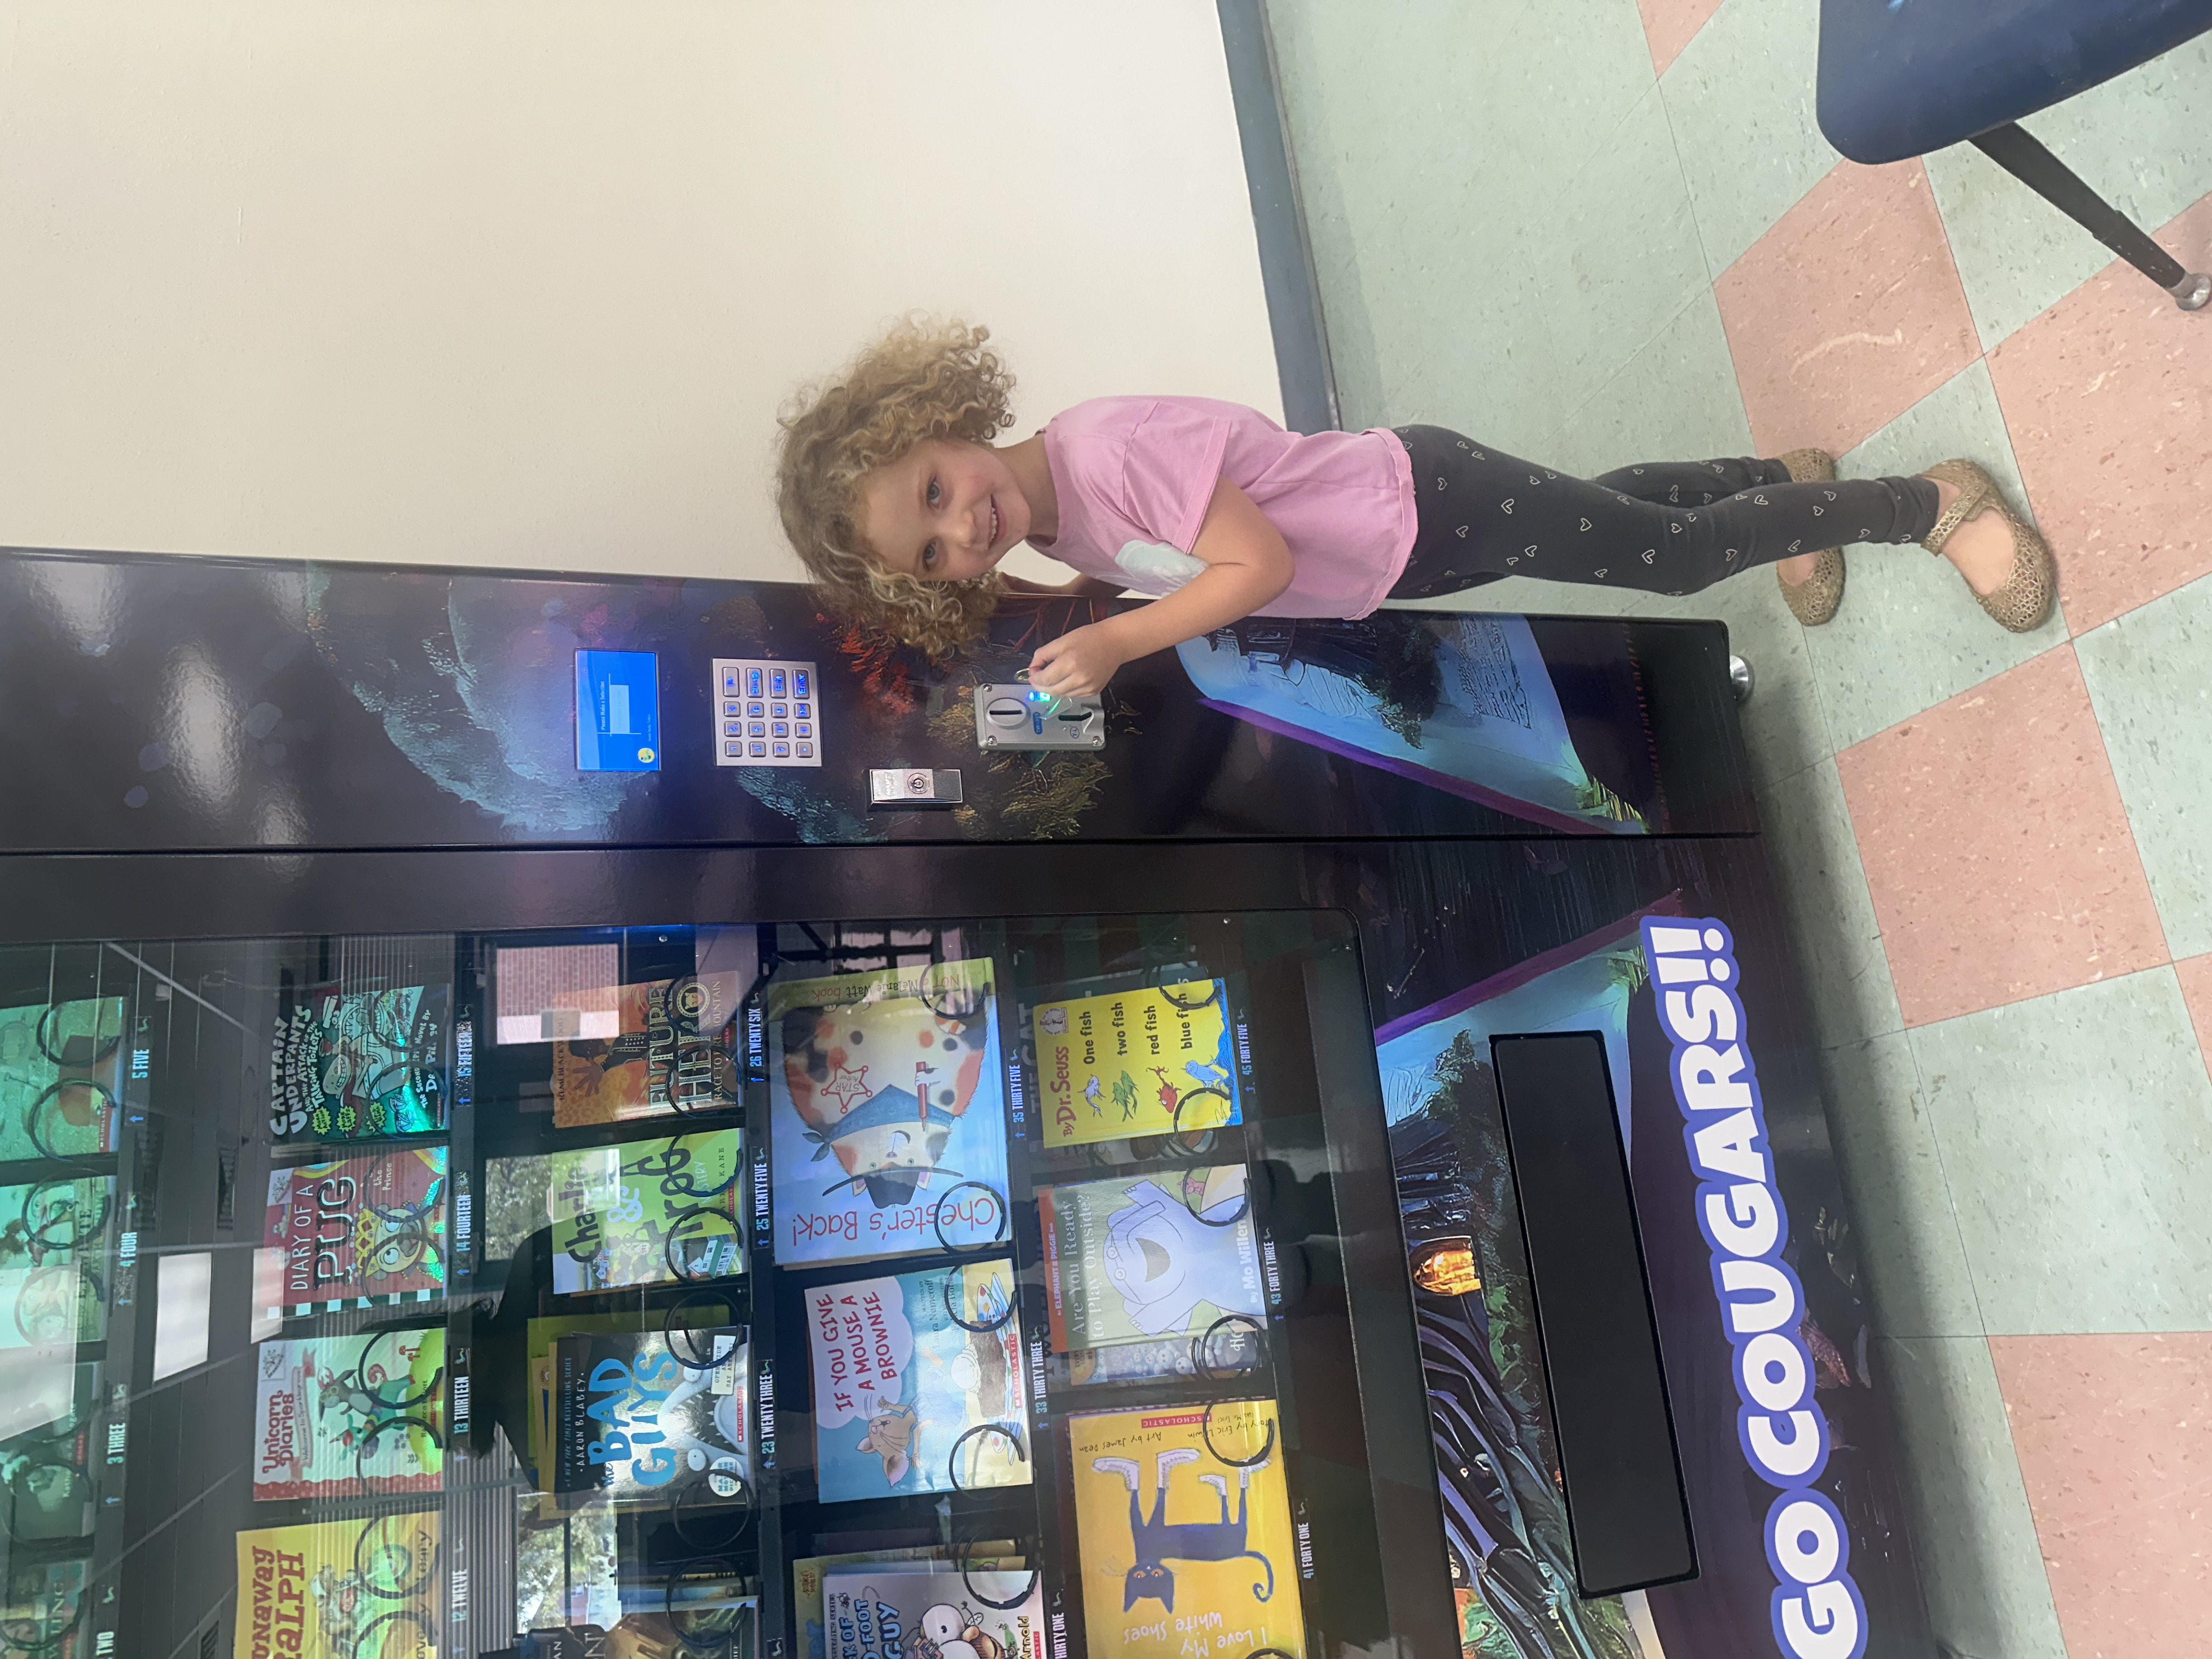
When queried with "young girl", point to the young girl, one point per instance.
{"points": [[896, 498]]}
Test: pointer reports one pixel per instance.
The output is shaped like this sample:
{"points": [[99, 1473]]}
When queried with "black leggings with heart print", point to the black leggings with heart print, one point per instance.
{"points": [[1666, 526]]}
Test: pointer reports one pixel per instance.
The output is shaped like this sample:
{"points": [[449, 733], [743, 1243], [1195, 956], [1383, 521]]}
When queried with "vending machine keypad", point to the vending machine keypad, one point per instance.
{"points": [[762, 704]]}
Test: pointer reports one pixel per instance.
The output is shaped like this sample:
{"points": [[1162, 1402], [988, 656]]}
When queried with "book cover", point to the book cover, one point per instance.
{"points": [[1152, 1061], [61, 1075], [918, 1610], [1222, 1352], [1137, 1257], [672, 1053], [888, 1112], [807, 1576], [336, 1416], [54, 1262], [359, 1231], [908, 1397], [647, 1212], [1183, 1523], [636, 1419], [42, 1610], [366, 1589], [360, 1065]]}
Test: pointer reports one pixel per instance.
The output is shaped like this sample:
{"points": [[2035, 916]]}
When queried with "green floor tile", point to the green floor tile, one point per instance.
{"points": [[2076, 1135], [1909, 635], [1785, 730], [1677, 399], [1900, 1205], [2150, 675], [1497, 218], [2142, 141], [1741, 98], [1981, 1565]]}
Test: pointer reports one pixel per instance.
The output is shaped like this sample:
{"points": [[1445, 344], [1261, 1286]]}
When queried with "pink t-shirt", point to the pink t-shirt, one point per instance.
{"points": [[1135, 477]]}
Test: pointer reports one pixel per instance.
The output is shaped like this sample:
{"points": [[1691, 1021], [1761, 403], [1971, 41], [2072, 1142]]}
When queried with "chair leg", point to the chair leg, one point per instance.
{"points": [[2020, 153]]}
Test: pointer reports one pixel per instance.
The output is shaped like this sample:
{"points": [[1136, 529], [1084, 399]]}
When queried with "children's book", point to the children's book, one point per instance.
{"points": [[366, 1589], [41, 1609], [807, 1576], [355, 1233], [338, 1416], [1138, 1257], [888, 1112], [918, 1383], [1220, 1353], [1182, 1522], [638, 1418], [672, 1054], [647, 1212], [360, 1065], [77, 1045], [1150, 1061], [923, 1610], [54, 1262]]}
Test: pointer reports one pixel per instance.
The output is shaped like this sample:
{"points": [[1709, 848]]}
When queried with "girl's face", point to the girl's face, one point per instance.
{"points": [[944, 511]]}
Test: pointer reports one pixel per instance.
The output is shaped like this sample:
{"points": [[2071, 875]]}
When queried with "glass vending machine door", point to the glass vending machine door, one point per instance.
{"points": [[913, 1289]]}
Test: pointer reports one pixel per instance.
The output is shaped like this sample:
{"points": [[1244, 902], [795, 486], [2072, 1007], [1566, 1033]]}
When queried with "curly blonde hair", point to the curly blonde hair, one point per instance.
{"points": [[923, 379]]}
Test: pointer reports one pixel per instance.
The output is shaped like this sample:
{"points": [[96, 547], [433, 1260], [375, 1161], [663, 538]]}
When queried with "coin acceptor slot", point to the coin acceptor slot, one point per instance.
{"points": [[1020, 716]]}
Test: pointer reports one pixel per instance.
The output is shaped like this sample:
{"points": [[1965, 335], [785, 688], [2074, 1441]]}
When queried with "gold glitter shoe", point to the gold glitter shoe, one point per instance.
{"points": [[2023, 603], [1820, 595]]}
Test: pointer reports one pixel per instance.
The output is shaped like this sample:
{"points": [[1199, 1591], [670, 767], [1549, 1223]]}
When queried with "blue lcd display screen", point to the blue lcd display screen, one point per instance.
{"points": [[617, 711]]}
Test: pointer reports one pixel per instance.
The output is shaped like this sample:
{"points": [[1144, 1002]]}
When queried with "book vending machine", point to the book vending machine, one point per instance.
{"points": [[556, 1116]]}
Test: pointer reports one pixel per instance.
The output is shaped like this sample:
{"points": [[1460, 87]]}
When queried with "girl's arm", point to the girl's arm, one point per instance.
{"points": [[1247, 564]]}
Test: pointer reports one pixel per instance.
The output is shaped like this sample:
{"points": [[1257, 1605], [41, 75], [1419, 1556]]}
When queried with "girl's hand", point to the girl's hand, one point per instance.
{"points": [[1077, 664]]}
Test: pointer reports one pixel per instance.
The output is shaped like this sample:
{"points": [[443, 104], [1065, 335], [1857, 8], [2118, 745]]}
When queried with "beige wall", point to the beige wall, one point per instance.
{"points": [[521, 281]]}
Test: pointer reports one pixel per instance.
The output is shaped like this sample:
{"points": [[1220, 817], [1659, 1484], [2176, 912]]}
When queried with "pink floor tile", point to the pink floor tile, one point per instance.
{"points": [[2108, 395], [1996, 848], [1847, 312], [2114, 1435], [1669, 25], [2196, 976]]}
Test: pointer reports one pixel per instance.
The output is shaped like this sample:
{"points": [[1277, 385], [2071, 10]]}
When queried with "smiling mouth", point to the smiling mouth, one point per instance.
{"points": [[994, 524]]}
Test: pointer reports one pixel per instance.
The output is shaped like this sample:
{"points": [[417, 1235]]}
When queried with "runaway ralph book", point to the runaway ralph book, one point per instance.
{"points": [[888, 1112], [1182, 1522], [924, 1610], [641, 1418], [647, 1212], [354, 1232], [672, 1055], [1150, 1060], [918, 1383], [361, 1065], [365, 1588], [1137, 1257], [340, 1416]]}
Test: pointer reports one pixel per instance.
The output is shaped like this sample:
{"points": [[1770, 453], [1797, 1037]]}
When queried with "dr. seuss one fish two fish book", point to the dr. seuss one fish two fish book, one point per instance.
{"points": [[1182, 1520], [918, 1383], [888, 1112], [1144, 1061]]}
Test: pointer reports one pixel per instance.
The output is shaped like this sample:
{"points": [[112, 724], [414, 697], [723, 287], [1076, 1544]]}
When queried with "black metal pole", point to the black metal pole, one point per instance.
{"points": [[2020, 153]]}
